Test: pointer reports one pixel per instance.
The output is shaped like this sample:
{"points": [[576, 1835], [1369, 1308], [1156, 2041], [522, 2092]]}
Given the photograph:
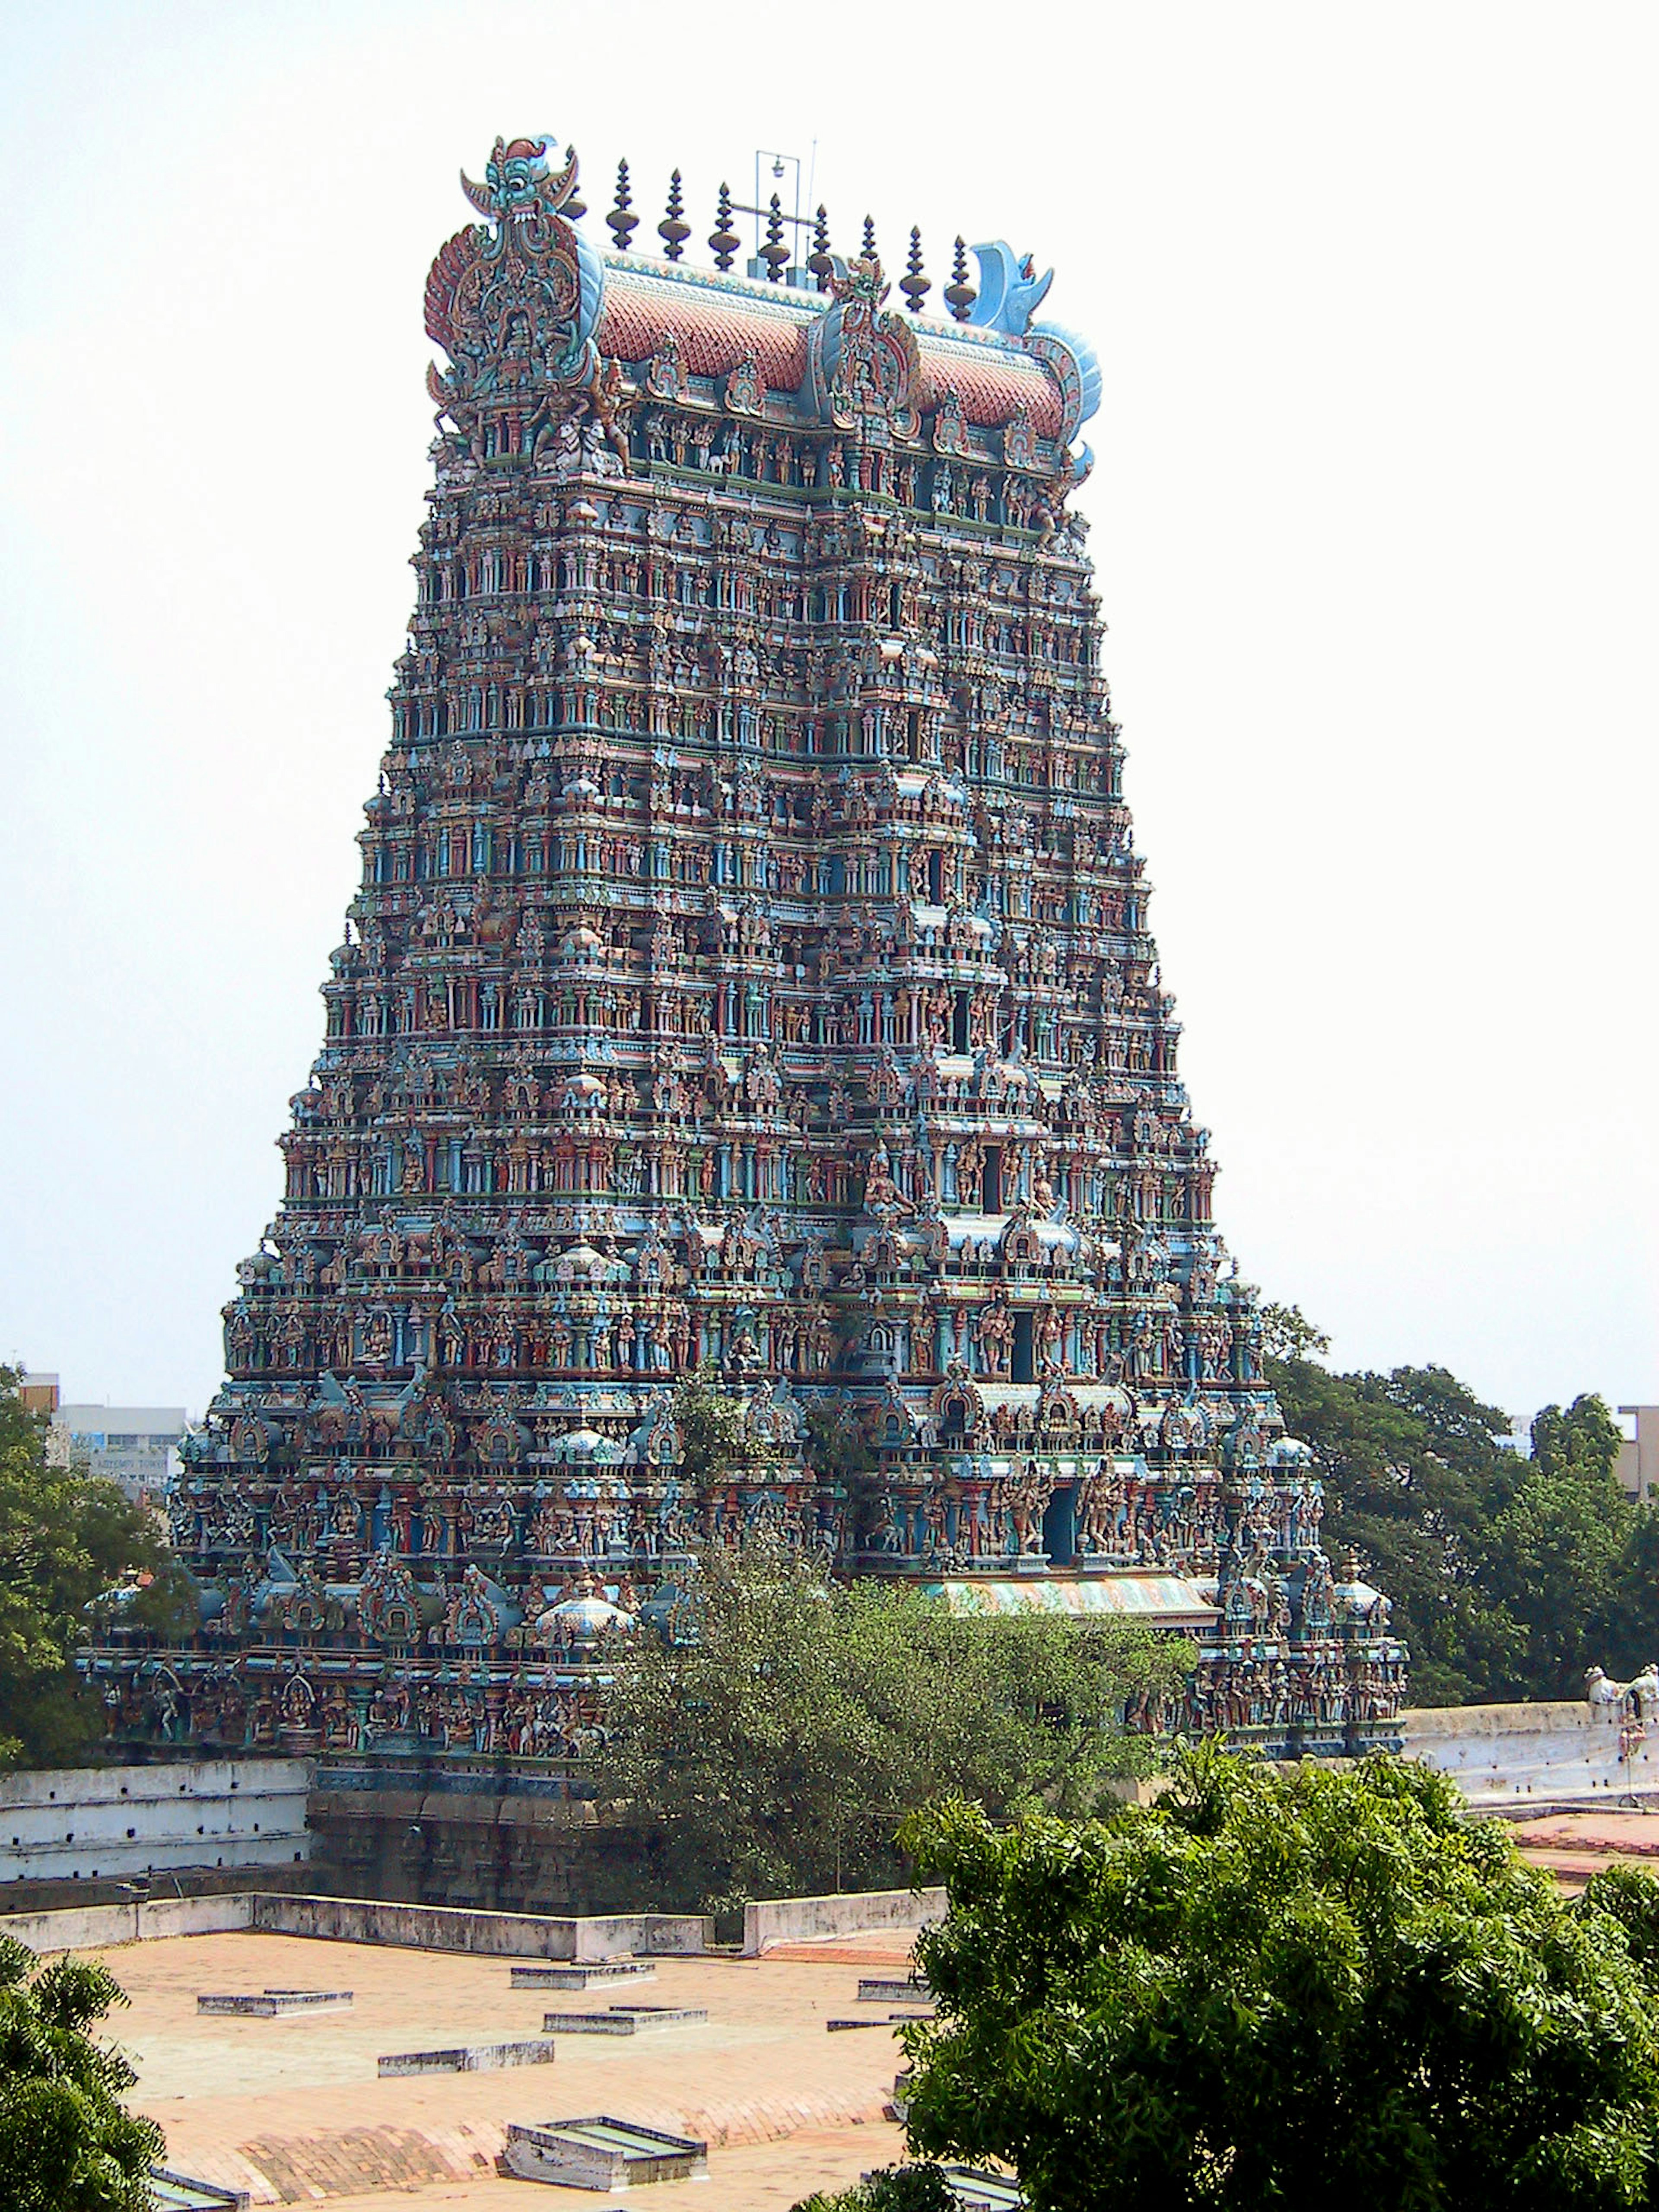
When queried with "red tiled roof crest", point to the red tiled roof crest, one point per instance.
{"points": [[716, 331], [714, 334]]}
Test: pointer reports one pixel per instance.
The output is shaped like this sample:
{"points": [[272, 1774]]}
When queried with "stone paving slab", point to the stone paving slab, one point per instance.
{"points": [[625, 1972], [271, 2004], [467, 2059], [623, 2019]]}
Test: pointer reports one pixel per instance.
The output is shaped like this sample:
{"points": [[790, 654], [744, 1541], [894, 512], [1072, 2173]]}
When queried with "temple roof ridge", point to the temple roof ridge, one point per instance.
{"points": [[797, 303]]}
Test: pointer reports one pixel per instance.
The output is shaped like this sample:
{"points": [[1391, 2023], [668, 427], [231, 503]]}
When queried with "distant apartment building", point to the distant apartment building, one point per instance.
{"points": [[1639, 1455], [134, 1445]]}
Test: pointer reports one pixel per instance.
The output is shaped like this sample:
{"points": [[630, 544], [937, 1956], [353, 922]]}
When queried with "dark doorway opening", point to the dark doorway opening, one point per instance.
{"points": [[1024, 1370], [1060, 1526]]}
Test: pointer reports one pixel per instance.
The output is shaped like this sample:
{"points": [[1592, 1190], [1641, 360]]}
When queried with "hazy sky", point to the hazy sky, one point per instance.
{"points": [[1374, 516]]}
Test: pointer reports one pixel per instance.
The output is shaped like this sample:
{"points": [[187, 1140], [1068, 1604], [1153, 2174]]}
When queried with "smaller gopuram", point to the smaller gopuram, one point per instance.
{"points": [[750, 973]]}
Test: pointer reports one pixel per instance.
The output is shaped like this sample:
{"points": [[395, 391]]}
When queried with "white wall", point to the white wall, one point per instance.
{"points": [[112, 1822], [1513, 1756]]}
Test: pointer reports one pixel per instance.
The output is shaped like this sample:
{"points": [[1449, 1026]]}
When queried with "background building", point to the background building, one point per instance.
{"points": [[1638, 1455], [134, 1445], [39, 1394]]}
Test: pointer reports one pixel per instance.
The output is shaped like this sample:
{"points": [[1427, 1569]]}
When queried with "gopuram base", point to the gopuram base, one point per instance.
{"points": [[459, 1744]]}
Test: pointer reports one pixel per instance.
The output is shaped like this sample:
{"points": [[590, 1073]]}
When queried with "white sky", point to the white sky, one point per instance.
{"points": [[1373, 516]]}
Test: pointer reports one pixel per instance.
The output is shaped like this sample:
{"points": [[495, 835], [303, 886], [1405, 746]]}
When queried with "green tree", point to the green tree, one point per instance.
{"points": [[889, 2189], [838, 1448], [1415, 1474], [1561, 1550], [1509, 1577], [67, 2144], [1287, 1333], [64, 1540], [713, 1443], [1302, 1988], [774, 1740]]}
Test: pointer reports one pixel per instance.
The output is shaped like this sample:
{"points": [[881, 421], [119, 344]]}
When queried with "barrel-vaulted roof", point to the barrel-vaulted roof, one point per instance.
{"points": [[720, 322]]}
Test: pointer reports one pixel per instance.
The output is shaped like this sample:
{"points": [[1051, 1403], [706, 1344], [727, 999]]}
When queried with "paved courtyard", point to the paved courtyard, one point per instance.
{"points": [[1572, 1846], [293, 2110]]}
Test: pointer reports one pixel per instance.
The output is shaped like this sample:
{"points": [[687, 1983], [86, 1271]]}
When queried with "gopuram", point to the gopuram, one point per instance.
{"points": [[751, 975]]}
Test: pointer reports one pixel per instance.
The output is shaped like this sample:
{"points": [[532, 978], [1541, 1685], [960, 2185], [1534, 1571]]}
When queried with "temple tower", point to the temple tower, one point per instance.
{"points": [[751, 973]]}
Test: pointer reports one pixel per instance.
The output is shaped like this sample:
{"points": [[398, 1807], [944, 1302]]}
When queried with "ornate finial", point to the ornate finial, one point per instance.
{"points": [[673, 230], [575, 207], [820, 260], [775, 253], [959, 294], [519, 179], [622, 224], [723, 240], [868, 249], [914, 286], [863, 279]]}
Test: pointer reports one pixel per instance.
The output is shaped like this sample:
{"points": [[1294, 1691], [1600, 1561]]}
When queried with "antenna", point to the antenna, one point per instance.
{"points": [[779, 168]]}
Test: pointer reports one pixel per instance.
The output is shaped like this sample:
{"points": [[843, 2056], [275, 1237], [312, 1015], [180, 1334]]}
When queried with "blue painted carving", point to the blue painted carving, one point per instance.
{"points": [[1010, 290], [1010, 294]]}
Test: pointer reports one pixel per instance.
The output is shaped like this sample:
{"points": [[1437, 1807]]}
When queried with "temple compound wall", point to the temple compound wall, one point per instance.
{"points": [[105, 1823], [751, 972]]}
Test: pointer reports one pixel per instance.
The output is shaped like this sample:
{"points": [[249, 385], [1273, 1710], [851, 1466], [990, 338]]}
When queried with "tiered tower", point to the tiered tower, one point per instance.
{"points": [[751, 973]]}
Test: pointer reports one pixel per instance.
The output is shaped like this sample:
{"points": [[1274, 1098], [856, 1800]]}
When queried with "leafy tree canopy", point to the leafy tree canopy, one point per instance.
{"points": [[773, 1742], [65, 1538], [1308, 1987], [1287, 1333], [66, 2143], [1509, 1577], [890, 2189], [713, 1444]]}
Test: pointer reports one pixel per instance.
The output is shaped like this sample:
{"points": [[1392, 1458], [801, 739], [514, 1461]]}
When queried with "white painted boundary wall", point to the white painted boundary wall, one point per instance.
{"points": [[1514, 1756], [802, 1920], [94, 1927], [592, 1938], [357, 1920], [589, 1939], [109, 1822]]}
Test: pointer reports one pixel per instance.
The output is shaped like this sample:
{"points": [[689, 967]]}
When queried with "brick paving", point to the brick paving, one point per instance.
{"points": [[293, 2110], [1572, 1846]]}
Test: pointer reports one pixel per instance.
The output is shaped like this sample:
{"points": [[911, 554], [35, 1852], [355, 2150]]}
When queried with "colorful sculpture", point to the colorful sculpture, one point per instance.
{"points": [[750, 973]]}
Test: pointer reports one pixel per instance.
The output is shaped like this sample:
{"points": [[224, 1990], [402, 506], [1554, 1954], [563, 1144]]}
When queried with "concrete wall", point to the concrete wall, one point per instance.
{"points": [[487, 1934], [351, 1920], [100, 1822], [93, 1927], [799, 1919], [1531, 1755]]}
